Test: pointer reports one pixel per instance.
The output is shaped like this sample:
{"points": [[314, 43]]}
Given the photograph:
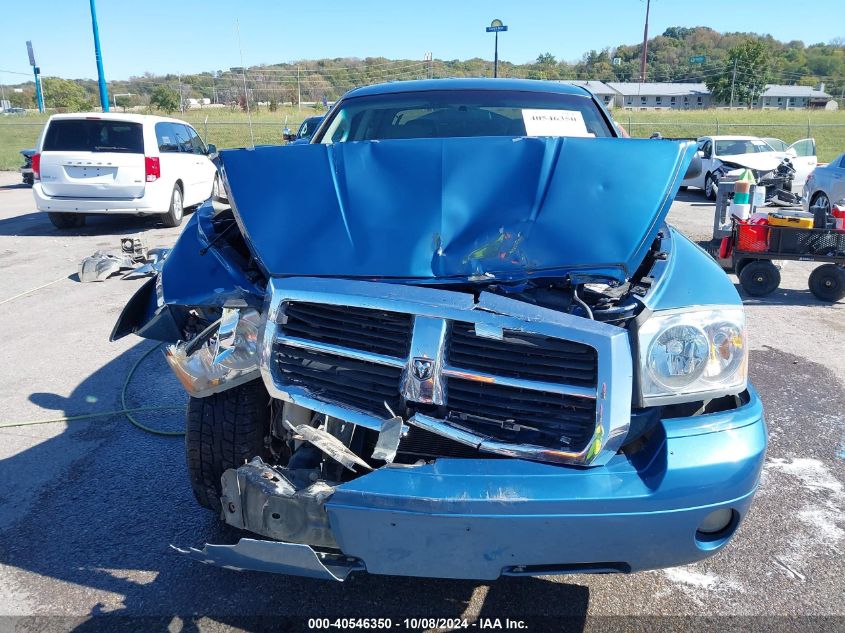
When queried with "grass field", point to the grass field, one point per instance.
{"points": [[226, 128]]}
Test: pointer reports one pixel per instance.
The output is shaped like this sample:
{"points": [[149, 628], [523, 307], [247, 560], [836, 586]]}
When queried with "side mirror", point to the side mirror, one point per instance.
{"points": [[694, 168], [211, 148]]}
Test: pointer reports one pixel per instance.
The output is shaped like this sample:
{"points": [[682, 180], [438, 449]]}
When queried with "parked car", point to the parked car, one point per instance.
{"points": [[120, 164], [26, 168], [306, 130], [750, 152], [826, 185], [469, 347]]}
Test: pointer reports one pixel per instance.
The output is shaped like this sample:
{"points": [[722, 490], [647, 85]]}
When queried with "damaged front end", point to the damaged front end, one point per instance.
{"points": [[474, 409]]}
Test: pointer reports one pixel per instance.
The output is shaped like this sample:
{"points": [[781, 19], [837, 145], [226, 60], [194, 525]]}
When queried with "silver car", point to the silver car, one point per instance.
{"points": [[826, 185]]}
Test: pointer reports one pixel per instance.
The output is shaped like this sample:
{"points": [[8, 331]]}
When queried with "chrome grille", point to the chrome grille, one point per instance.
{"points": [[523, 355], [376, 331], [521, 416], [366, 386], [492, 373]]}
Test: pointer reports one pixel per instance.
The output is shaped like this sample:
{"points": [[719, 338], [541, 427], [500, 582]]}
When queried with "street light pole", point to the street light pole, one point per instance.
{"points": [[496, 57], [495, 27], [645, 42], [104, 92]]}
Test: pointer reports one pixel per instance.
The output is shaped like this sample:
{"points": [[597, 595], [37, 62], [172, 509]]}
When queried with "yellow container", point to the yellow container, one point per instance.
{"points": [[793, 219]]}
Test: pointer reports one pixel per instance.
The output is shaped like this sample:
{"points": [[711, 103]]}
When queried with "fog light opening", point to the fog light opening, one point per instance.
{"points": [[716, 528]]}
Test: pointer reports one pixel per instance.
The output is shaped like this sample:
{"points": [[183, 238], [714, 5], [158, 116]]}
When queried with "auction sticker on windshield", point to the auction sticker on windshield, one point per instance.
{"points": [[554, 123]]}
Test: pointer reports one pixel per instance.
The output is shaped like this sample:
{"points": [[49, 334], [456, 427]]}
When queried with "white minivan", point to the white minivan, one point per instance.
{"points": [[133, 164]]}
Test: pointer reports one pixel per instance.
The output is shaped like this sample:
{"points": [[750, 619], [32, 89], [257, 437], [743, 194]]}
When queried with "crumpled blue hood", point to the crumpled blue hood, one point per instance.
{"points": [[455, 208]]}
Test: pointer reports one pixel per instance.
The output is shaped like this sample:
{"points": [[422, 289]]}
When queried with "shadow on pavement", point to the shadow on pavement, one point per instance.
{"points": [[783, 297], [37, 224], [103, 530], [694, 197]]}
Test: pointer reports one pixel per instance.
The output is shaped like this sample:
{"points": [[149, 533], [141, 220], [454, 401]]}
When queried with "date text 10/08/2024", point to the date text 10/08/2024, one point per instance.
{"points": [[416, 623]]}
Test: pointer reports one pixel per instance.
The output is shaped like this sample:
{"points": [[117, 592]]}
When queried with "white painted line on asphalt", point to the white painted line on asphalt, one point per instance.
{"points": [[31, 290]]}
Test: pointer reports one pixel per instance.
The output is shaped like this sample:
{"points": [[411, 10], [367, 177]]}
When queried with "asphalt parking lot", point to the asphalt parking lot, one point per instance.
{"points": [[89, 508]]}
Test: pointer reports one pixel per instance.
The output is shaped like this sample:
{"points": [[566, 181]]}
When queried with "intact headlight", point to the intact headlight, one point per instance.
{"points": [[693, 354], [227, 357]]}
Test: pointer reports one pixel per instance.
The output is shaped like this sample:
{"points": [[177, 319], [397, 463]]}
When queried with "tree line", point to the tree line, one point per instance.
{"points": [[729, 63]]}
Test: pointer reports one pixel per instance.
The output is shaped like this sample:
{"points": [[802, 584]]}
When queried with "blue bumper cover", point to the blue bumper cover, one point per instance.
{"points": [[479, 519]]}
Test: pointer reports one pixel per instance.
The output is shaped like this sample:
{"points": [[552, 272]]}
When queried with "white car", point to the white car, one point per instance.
{"points": [[751, 152], [130, 164]]}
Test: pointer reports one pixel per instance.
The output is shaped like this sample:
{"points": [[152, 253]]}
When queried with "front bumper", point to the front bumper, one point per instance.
{"points": [[480, 519]]}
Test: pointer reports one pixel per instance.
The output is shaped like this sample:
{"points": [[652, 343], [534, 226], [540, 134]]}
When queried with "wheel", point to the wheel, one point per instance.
{"points": [[67, 220], [738, 266], [711, 187], [821, 200], [177, 209], [759, 277], [224, 431], [827, 282]]}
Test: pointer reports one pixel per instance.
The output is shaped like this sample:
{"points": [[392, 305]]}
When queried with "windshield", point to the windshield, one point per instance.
{"points": [[777, 144], [736, 147], [461, 113], [94, 135]]}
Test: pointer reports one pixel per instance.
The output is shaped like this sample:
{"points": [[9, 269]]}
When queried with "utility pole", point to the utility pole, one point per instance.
{"points": [[298, 90], [181, 101], [733, 85], [645, 42], [101, 76]]}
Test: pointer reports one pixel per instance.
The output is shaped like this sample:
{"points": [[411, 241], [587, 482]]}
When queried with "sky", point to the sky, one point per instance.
{"points": [[173, 36]]}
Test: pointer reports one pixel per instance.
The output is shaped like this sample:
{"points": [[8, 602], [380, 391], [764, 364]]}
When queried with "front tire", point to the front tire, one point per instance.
{"points": [[821, 200], [174, 215], [67, 220], [225, 430], [711, 187]]}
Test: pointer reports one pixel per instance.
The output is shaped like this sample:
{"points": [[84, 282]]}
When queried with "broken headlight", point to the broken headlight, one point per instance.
{"points": [[223, 356], [692, 355]]}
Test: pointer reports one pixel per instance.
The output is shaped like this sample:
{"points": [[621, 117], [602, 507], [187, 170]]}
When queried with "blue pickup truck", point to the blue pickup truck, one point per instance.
{"points": [[453, 336]]}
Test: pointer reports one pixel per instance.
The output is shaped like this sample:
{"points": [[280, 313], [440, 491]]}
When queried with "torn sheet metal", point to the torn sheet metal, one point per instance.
{"points": [[134, 256], [331, 446], [481, 207], [102, 265], [264, 500], [387, 444], [275, 557]]}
